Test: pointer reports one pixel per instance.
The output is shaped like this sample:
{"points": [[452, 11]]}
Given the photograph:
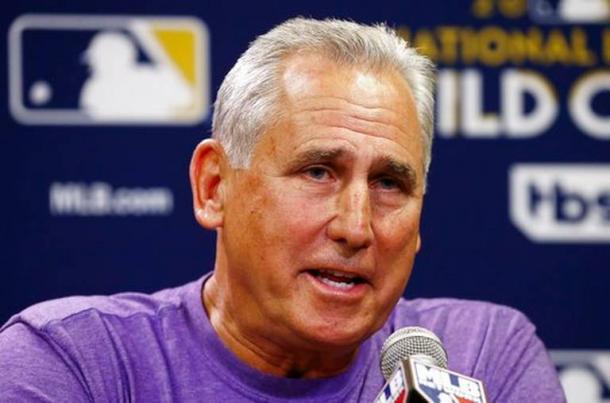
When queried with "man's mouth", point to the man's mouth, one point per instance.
{"points": [[337, 279]]}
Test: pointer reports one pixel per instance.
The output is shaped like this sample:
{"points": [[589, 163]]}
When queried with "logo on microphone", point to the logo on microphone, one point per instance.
{"points": [[443, 386], [394, 390], [561, 202], [93, 70]]}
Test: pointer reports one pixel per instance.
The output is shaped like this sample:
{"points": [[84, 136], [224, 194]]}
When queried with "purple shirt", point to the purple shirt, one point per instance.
{"points": [[162, 348]]}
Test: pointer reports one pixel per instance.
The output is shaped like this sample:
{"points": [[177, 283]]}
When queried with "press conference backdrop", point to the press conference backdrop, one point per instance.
{"points": [[104, 102]]}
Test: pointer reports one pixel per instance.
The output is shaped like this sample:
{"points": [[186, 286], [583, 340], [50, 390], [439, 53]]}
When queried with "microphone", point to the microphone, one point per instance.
{"points": [[414, 364]]}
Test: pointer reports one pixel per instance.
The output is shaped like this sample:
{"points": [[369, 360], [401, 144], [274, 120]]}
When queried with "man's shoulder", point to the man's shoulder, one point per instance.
{"points": [[492, 342], [63, 311], [449, 316], [99, 346], [453, 306]]}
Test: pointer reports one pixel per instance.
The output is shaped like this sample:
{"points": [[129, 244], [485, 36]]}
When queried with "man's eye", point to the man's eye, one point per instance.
{"points": [[388, 183], [317, 173]]}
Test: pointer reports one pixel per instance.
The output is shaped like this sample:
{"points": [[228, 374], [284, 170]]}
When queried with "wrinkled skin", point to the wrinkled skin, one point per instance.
{"points": [[333, 190]]}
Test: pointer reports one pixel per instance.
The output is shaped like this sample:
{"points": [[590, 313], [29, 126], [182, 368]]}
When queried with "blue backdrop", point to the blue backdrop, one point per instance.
{"points": [[518, 206]]}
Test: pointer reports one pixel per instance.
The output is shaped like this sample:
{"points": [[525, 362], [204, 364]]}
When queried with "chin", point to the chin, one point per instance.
{"points": [[335, 337]]}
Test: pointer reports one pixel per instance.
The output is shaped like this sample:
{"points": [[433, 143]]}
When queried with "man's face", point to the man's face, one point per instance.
{"points": [[321, 231]]}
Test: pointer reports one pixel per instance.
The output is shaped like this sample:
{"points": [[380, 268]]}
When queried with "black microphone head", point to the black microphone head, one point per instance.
{"points": [[415, 342]]}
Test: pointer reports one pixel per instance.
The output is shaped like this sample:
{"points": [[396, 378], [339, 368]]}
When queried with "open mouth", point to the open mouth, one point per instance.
{"points": [[343, 281]]}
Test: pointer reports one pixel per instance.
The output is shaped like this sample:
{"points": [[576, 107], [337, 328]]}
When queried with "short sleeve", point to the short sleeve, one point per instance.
{"points": [[34, 370], [525, 372]]}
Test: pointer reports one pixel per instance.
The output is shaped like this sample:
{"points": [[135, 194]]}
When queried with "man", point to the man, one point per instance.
{"points": [[314, 183]]}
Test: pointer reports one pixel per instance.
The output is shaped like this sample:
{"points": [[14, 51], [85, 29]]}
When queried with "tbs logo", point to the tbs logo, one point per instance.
{"points": [[570, 11], [91, 70], [584, 374], [561, 203]]}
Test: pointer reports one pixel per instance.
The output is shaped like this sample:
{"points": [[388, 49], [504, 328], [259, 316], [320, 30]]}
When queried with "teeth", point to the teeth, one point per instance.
{"points": [[336, 283]]}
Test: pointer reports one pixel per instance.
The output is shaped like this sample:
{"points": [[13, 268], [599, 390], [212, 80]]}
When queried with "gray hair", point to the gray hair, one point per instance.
{"points": [[248, 99]]}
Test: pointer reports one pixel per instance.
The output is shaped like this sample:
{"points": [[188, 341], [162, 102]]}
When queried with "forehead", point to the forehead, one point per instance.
{"points": [[322, 102]]}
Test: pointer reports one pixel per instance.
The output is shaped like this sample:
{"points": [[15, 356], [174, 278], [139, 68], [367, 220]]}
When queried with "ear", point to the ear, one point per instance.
{"points": [[207, 171], [418, 246]]}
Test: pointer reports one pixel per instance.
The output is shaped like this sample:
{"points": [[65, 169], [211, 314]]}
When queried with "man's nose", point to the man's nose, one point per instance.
{"points": [[352, 223]]}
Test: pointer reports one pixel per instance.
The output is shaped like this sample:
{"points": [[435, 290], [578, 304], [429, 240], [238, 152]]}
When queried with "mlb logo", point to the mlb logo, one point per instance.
{"points": [[570, 11], [584, 374], [440, 385], [96, 70]]}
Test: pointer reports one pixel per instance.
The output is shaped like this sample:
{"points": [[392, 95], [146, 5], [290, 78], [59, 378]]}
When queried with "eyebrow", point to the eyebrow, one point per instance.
{"points": [[316, 155]]}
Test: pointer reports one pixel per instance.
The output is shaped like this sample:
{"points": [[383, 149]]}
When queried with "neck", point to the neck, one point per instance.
{"points": [[272, 351]]}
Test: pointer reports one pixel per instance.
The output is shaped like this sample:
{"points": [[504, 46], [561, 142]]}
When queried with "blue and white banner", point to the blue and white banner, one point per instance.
{"points": [[104, 102]]}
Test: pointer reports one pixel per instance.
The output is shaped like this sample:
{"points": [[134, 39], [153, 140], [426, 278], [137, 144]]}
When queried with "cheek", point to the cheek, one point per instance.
{"points": [[300, 216], [397, 232], [246, 215], [282, 225]]}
